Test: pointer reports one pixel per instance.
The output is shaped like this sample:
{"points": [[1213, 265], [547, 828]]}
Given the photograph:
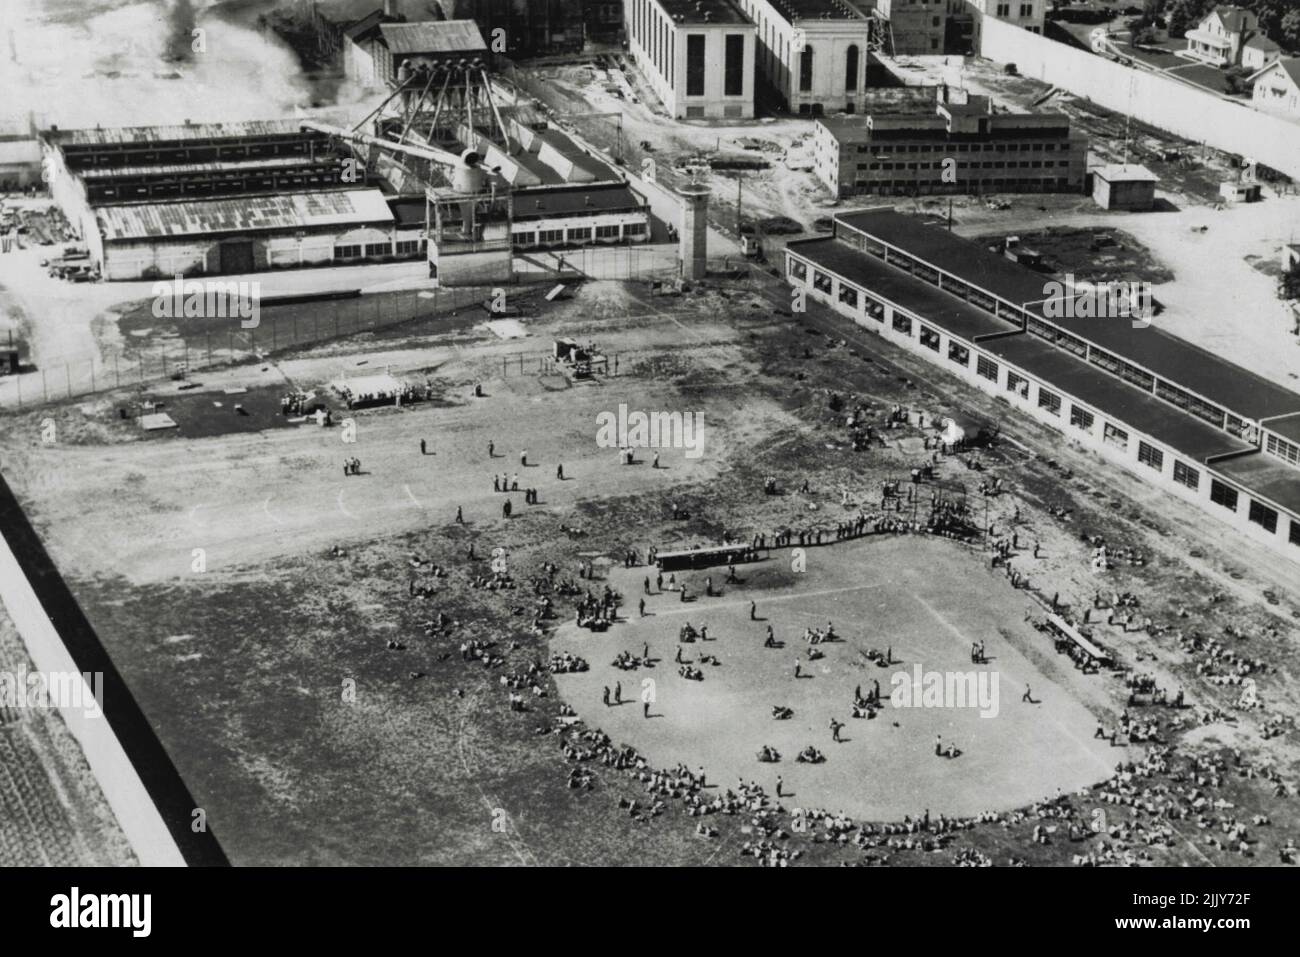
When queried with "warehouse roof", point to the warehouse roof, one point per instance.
{"points": [[1265, 476], [704, 11], [246, 215], [224, 166], [1288, 427], [165, 134], [531, 204], [1126, 404], [1124, 173], [793, 10], [1166, 355], [941, 308], [434, 36]]}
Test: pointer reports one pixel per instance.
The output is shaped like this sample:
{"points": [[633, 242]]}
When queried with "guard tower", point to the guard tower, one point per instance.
{"points": [[695, 230], [469, 229]]}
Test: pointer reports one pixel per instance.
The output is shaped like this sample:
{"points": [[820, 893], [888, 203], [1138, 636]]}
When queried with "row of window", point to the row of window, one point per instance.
{"points": [[1149, 455], [1284, 450], [1099, 357], [960, 148], [576, 234], [403, 247], [656, 36], [994, 164]]}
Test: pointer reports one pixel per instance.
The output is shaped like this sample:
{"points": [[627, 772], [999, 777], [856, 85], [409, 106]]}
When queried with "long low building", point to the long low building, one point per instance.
{"points": [[1206, 430], [247, 234]]}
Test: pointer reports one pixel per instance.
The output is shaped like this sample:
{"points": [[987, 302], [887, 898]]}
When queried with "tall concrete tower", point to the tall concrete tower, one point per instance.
{"points": [[695, 230]]}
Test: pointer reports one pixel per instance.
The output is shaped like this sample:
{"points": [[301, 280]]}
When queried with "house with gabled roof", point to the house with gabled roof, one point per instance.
{"points": [[1220, 37], [1276, 88]]}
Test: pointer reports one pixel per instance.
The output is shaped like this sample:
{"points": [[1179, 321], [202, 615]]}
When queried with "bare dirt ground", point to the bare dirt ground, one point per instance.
{"points": [[927, 601], [1217, 297], [322, 713]]}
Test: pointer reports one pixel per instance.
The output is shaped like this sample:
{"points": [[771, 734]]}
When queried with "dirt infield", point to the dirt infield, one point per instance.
{"points": [[242, 661], [926, 599]]}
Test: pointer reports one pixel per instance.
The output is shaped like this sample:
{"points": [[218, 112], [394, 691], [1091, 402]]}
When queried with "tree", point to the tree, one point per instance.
{"points": [[1139, 31], [1289, 31], [1186, 14], [1288, 284], [1234, 80]]}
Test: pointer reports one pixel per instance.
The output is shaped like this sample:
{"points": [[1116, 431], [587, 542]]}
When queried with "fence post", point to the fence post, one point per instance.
{"points": [[45, 389], [117, 376]]}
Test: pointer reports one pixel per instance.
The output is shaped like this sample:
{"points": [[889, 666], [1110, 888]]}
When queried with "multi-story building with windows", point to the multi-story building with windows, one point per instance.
{"points": [[1203, 429], [915, 26], [697, 56], [812, 54], [1028, 14], [963, 147]]}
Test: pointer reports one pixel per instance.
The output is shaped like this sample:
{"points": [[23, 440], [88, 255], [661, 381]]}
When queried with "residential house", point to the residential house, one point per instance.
{"points": [[1277, 87], [1220, 38]]}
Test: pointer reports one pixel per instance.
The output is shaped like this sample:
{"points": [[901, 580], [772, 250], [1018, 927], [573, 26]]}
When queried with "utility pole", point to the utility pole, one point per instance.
{"points": [[740, 183]]}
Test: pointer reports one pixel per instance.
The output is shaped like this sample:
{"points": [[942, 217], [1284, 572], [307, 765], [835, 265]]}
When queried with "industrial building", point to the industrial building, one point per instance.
{"points": [[813, 54], [487, 179], [963, 147], [1198, 427], [206, 198], [527, 27], [697, 56], [241, 197], [1124, 186], [915, 26]]}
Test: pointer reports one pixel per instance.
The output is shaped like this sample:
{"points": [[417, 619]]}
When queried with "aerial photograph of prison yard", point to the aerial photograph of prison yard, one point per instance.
{"points": [[764, 433]]}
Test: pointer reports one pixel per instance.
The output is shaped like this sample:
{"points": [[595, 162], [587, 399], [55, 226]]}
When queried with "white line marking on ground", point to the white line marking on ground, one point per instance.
{"points": [[343, 508], [411, 496], [966, 641], [194, 520], [266, 507], [699, 608]]}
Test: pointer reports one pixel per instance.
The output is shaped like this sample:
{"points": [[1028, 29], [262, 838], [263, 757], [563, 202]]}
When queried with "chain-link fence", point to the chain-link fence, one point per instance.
{"points": [[195, 344], [190, 345]]}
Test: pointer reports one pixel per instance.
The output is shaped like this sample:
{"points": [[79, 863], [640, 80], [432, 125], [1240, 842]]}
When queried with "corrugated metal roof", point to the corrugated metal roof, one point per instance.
{"points": [[531, 204], [225, 166], [165, 134], [442, 36], [1162, 353], [249, 214]]}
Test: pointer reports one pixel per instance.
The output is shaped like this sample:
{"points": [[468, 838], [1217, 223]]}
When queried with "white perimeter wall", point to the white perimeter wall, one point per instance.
{"points": [[126, 795], [1162, 102]]}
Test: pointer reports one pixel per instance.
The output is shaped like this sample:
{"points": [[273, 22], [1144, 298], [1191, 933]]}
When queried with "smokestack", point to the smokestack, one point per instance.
{"points": [[390, 8]]}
